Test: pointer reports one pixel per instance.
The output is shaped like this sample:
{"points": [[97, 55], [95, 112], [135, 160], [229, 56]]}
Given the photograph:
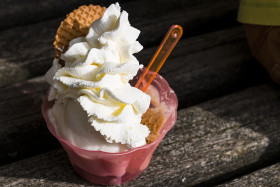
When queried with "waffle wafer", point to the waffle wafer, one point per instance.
{"points": [[75, 25], [154, 120]]}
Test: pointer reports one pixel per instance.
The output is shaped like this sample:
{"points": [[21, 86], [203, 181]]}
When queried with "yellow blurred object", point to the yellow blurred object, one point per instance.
{"points": [[259, 12], [261, 19], [264, 42]]}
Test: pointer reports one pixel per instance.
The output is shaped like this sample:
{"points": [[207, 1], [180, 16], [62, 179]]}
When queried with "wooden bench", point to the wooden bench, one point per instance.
{"points": [[265, 177], [227, 132]]}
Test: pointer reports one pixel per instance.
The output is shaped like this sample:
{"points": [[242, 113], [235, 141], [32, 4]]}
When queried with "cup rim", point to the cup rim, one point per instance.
{"points": [[44, 108]]}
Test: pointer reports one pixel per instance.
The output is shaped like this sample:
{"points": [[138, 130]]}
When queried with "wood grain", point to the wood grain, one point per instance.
{"points": [[30, 53], [23, 132], [269, 176], [210, 140]]}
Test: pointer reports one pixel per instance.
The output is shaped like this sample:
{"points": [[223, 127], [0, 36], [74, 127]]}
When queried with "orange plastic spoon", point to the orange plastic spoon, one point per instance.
{"points": [[168, 43]]}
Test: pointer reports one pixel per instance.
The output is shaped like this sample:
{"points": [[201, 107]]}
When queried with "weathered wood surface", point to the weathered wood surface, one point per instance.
{"points": [[30, 53], [22, 12], [269, 176], [209, 143], [22, 124], [204, 63]]}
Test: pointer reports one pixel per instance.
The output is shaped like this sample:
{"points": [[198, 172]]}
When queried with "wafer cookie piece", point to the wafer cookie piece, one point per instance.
{"points": [[75, 25], [154, 120]]}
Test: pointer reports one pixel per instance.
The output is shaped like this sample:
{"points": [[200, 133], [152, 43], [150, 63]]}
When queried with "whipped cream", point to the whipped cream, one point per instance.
{"points": [[95, 106]]}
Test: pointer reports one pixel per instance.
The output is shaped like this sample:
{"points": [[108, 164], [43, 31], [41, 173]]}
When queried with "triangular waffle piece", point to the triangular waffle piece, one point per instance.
{"points": [[154, 120]]}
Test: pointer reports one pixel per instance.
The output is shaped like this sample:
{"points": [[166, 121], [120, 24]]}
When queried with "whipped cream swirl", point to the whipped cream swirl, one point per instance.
{"points": [[96, 74]]}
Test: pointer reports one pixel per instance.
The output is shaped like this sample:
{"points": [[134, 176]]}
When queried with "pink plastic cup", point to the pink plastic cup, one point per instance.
{"points": [[116, 168]]}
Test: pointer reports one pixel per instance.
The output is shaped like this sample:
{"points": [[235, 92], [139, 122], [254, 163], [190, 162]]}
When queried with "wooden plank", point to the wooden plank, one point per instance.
{"points": [[30, 53], [16, 98], [217, 71], [269, 176], [22, 12], [198, 43], [21, 125], [35, 176], [210, 140], [23, 130]]}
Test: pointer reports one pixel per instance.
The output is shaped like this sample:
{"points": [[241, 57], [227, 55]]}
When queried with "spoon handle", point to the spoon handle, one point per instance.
{"points": [[168, 43]]}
